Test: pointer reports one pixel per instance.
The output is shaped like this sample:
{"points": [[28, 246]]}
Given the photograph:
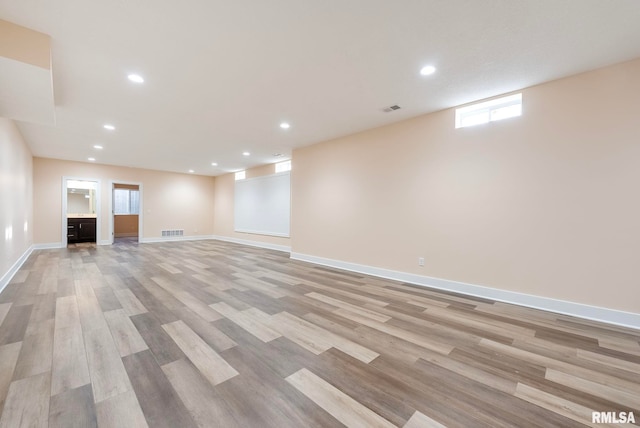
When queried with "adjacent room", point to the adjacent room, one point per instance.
{"points": [[364, 213]]}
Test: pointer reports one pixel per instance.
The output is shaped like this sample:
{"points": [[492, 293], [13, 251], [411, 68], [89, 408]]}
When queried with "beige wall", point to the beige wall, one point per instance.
{"points": [[169, 200], [546, 204], [16, 196], [25, 45], [223, 214]]}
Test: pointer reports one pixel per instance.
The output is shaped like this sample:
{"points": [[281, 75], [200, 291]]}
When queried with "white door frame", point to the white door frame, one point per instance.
{"points": [[64, 207], [112, 183]]}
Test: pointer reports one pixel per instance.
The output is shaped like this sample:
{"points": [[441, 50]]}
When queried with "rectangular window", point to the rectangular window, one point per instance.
{"points": [[283, 166], [241, 175], [489, 111], [126, 201]]}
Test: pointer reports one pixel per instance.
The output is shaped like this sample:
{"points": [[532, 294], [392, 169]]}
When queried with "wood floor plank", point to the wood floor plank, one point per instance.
{"points": [[307, 339], [212, 366], [8, 359], [20, 277], [66, 287], [91, 316], [339, 405], [130, 303], [609, 361], [44, 309], [627, 346], [204, 311], [49, 283], [153, 305], [27, 403], [69, 367], [350, 308], [36, 355], [108, 376], [566, 368], [207, 331], [272, 399], [158, 400], [115, 282], [107, 299], [67, 314], [420, 420], [407, 335], [245, 320], [27, 293], [15, 324], [554, 403], [73, 409], [479, 323], [159, 342], [362, 297], [202, 401], [4, 309], [169, 268], [376, 341], [120, 411], [317, 339], [125, 335], [627, 397]]}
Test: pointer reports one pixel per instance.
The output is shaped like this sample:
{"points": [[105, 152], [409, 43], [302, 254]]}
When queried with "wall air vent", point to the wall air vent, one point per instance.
{"points": [[391, 108], [172, 232]]}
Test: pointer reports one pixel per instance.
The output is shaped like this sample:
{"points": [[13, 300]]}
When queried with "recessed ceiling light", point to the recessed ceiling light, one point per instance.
{"points": [[109, 126], [246, 154], [214, 163], [98, 147], [91, 159], [136, 78], [285, 125], [427, 70], [191, 171], [277, 155]]}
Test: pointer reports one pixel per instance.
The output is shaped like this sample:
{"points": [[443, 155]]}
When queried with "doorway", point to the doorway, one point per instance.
{"points": [[80, 211], [126, 212]]}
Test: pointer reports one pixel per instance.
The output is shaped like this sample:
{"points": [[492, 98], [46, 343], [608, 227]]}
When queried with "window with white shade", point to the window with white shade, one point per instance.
{"points": [[489, 111], [126, 201]]}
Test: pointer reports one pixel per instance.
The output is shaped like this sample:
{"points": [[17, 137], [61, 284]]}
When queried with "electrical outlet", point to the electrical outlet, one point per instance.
{"points": [[420, 261]]}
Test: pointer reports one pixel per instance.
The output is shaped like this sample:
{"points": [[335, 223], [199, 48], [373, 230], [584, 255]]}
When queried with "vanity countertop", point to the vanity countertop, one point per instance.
{"points": [[80, 215]]}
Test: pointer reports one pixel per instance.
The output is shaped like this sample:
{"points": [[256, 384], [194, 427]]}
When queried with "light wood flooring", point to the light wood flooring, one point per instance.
{"points": [[214, 334]]}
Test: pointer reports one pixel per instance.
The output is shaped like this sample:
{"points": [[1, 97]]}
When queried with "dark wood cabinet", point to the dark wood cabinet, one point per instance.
{"points": [[81, 230]]}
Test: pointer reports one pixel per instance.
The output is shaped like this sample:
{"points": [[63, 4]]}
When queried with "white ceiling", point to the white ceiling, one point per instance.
{"points": [[221, 75]]}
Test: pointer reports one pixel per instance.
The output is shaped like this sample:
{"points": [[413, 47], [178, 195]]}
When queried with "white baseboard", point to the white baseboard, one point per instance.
{"points": [[6, 278], [175, 238], [259, 244], [54, 245], [48, 246], [605, 315]]}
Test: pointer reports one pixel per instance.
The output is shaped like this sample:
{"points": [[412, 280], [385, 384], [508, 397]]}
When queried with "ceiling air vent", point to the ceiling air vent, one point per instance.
{"points": [[391, 108]]}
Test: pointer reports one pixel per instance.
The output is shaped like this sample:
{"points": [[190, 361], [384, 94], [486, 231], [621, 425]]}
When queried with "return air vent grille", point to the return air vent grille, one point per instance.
{"points": [[172, 232], [391, 108]]}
